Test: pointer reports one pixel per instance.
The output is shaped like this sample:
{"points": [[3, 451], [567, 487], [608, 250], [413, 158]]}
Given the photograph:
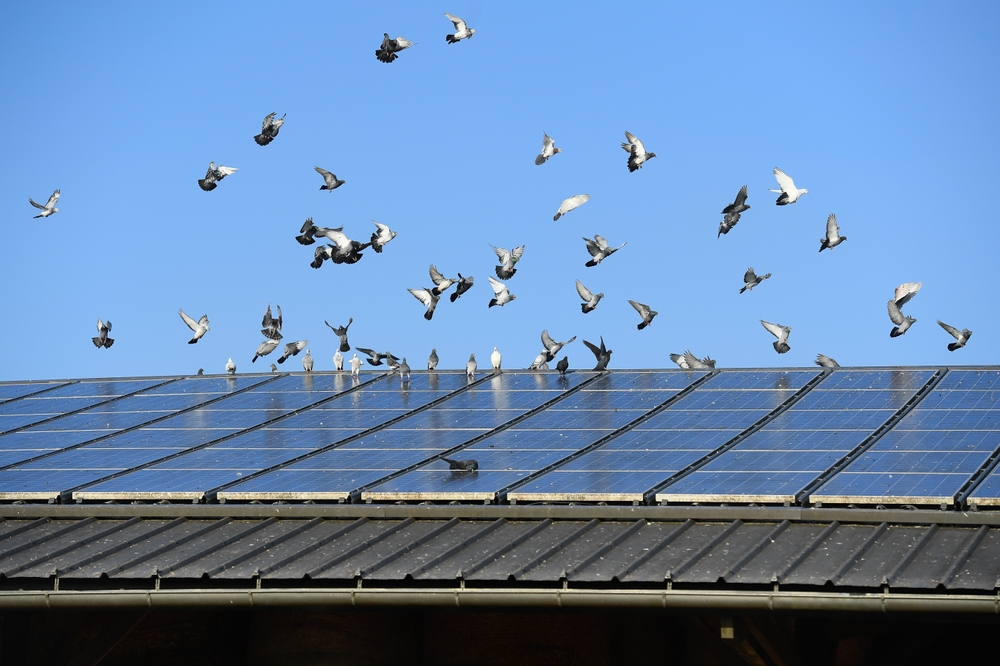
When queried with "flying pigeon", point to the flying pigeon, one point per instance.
{"points": [[381, 237], [905, 292], [645, 312], [563, 365], [833, 237], [590, 300], [502, 295], [428, 298], [231, 367], [355, 366], [752, 279], [470, 367], [292, 349], [551, 347], [599, 249], [102, 339], [404, 371], [637, 154], [307, 362], [728, 222], [506, 270], [341, 332], [321, 254], [264, 349], [50, 206], [269, 129], [961, 336], [274, 369], [902, 322], [338, 361], [374, 358], [569, 204], [548, 150], [307, 234], [780, 332], [789, 193], [344, 250], [432, 360], [602, 353], [689, 361], [462, 31], [739, 205], [463, 285], [390, 47], [209, 182], [272, 325], [825, 361], [495, 359], [441, 283], [461, 465], [330, 180], [199, 327]]}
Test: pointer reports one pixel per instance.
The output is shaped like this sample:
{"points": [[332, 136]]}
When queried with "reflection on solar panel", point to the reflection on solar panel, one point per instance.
{"points": [[65, 399], [781, 459], [540, 440], [932, 452], [628, 466]]}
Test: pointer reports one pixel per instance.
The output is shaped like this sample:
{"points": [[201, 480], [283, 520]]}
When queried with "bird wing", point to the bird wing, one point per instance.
{"points": [[323, 172], [749, 276], [308, 224], [203, 321], [692, 361], [370, 352], [436, 275], [786, 184], [637, 146], [382, 228], [191, 323], [547, 143], [894, 313], [906, 291], [592, 247], [955, 333], [583, 291], [267, 347], [594, 348], [498, 287], [502, 254], [832, 230], [516, 254], [53, 199], [225, 171], [336, 235], [741, 197], [547, 340], [601, 242], [774, 329], [643, 310], [268, 121], [403, 43], [293, 348], [422, 295], [573, 202], [459, 23]]}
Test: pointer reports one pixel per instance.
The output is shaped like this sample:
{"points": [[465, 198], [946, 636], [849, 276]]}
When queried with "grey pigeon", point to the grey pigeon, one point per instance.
{"points": [[102, 339], [645, 312], [428, 298], [201, 371], [231, 367], [789, 194], [751, 279], [462, 31], [781, 332], [905, 292], [961, 337], [563, 365], [307, 234], [463, 285], [502, 295], [739, 205], [599, 249], [432, 360], [540, 363], [199, 327], [602, 353], [374, 357], [901, 321], [264, 349], [338, 361], [307, 362], [569, 204], [441, 283], [392, 362], [689, 361], [471, 366], [341, 332], [355, 366], [271, 325], [728, 222], [390, 47], [214, 175], [50, 206], [269, 129], [292, 349], [637, 155], [833, 237], [461, 465], [548, 150], [506, 269], [825, 361], [382, 236], [590, 300], [330, 180], [404, 371], [321, 254], [274, 369], [344, 250], [551, 347]]}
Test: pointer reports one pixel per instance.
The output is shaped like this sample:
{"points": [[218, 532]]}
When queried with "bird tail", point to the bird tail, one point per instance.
{"points": [[557, 216], [540, 160], [108, 343], [493, 302], [454, 297], [743, 289], [98, 342], [590, 264], [641, 325], [428, 315], [952, 346], [451, 39], [193, 341]]}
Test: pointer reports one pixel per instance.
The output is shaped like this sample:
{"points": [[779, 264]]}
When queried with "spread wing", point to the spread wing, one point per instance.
{"points": [[585, 293], [894, 313], [749, 276], [774, 329], [594, 348], [191, 323], [547, 143], [436, 276], [498, 287], [502, 253], [786, 184], [53, 200], [458, 23], [955, 333], [547, 340], [422, 295], [518, 251], [905, 292], [741, 197], [637, 147], [642, 309], [832, 230]]}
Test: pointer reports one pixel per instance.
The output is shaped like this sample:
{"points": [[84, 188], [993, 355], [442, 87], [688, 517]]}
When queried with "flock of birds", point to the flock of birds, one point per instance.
{"points": [[341, 249]]}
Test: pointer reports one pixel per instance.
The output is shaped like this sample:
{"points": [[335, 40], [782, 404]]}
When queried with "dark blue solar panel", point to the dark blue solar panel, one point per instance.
{"points": [[899, 380], [66, 398], [704, 419], [11, 391], [961, 399], [980, 380], [761, 379], [705, 441]]}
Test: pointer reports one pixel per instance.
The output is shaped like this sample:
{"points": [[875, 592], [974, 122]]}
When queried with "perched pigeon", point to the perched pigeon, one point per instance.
{"points": [[462, 31], [264, 349], [274, 369], [752, 279], [471, 366], [392, 362], [495, 359], [599, 249], [338, 361], [739, 205], [590, 300], [689, 361], [102, 339], [381, 237], [780, 332], [789, 193], [209, 182], [728, 222], [199, 327], [231, 367], [441, 283], [961, 336], [269, 129], [463, 285], [563, 365], [292, 349], [330, 180], [432, 360], [50, 206], [602, 353], [201, 371], [902, 322], [825, 361], [569, 204], [637, 154], [404, 371], [341, 332], [461, 465], [272, 325], [833, 237], [374, 358], [506, 269], [551, 347], [501, 295], [355, 366], [645, 312], [390, 47], [428, 298], [905, 292], [540, 363], [548, 150], [307, 362]]}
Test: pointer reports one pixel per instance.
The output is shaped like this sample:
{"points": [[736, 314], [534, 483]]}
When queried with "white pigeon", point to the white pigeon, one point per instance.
{"points": [[390, 47], [961, 336], [231, 367], [548, 150], [307, 362], [824, 361], [569, 204], [901, 321], [780, 332], [506, 269], [495, 359], [590, 300], [330, 180], [102, 339], [338, 361], [264, 349], [355, 366], [50, 206], [789, 193], [833, 237], [213, 175], [539, 363], [599, 249], [199, 327], [471, 366], [269, 129], [905, 292], [551, 347], [502, 296], [637, 154], [428, 298], [381, 237], [292, 349], [462, 31], [441, 283]]}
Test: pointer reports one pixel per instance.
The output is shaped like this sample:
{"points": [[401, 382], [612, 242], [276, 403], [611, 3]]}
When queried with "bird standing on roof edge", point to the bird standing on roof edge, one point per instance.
{"points": [[495, 359], [231, 367], [471, 366], [338, 361]]}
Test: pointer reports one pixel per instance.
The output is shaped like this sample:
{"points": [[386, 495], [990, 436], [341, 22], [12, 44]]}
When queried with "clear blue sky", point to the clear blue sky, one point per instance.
{"points": [[886, 113]]}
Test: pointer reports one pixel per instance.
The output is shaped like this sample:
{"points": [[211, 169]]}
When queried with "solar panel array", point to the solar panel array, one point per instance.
{"points": [[922, 436]]}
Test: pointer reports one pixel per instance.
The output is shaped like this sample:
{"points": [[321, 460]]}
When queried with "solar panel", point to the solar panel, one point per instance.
{"points": [[67, 398], [13, 391]]}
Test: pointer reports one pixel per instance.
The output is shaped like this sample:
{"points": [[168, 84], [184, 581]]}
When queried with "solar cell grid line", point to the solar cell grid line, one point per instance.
{"points": [[9, 392], [192, 473], [777, 460]]}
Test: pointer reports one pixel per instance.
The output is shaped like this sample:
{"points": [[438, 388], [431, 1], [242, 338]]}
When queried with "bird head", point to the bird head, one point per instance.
{"points": [[650, 156], [803, 191], [472, 31]]}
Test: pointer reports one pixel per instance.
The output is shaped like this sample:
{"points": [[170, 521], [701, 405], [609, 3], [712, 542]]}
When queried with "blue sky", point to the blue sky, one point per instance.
{"points": [[887, 114]]}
